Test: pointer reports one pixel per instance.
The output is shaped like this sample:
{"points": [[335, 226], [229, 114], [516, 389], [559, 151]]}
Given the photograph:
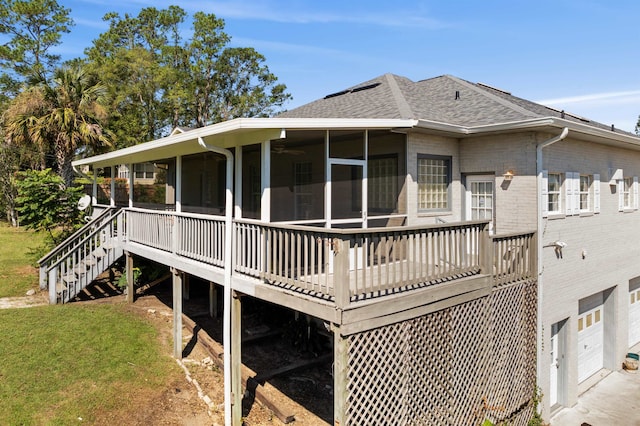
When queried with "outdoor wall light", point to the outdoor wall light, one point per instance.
{"points": [[508, 175]]}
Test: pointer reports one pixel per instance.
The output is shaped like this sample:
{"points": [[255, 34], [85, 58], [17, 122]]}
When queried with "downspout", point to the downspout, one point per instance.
{"points": [[539, 167], [226, 321]]}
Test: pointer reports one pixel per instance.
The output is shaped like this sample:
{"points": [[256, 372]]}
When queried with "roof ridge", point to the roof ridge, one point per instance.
{"points": [[496, 98], [403, 106]]}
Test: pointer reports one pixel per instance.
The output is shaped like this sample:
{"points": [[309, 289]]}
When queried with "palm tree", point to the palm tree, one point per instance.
{"points": [[66, 120]]}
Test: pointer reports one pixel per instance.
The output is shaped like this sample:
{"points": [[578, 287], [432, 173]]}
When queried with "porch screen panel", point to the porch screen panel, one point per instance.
{"points": [[251, 174], [385, 173], [298, 176]]}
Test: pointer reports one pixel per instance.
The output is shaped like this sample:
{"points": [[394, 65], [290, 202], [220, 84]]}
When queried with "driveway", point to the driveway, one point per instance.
{"points": [[615, 400]]}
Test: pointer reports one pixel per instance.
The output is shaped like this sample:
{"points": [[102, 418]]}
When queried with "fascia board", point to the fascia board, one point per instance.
{"points": [[232, 133]]}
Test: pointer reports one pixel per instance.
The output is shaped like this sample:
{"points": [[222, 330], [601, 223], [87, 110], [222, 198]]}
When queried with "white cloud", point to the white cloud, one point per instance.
{"points": [[608, 97]]}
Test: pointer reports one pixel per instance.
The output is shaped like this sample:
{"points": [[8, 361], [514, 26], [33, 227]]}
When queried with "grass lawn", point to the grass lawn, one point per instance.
{"points": [[64, 363], [17, 271]]}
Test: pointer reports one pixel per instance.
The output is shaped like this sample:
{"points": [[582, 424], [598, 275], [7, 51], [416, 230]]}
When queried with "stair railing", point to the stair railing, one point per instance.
{"points": [[62, 249], [68, 270]]}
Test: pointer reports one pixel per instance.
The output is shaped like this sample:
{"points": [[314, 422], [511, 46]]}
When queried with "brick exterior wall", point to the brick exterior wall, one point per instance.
{"points": [[609, 240]]}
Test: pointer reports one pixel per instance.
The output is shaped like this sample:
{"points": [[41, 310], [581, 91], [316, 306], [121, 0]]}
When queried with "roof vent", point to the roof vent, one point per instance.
{"points": [[367, 87], [357, 89], [613, 128], [457, 95], [493, 88], [333, 95]]}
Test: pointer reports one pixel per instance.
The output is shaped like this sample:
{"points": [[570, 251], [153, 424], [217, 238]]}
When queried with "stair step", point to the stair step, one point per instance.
{"points": [[81, 268], [70, 278], [99, 253], [89, 261], [60, 287]]}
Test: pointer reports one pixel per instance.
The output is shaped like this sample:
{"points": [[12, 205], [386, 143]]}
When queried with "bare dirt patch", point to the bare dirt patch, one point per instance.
{"points": [[178, 403]]}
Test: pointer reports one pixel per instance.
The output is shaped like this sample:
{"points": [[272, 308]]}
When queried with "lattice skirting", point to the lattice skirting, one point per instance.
{"points": [[458, 366]]}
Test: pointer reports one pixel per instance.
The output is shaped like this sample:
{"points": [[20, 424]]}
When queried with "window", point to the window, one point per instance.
{"points": [[585, 193], [570, 193], [144, 170], [627, 185], [554, 183], [628, 193], [382, 181], [434, 178]]}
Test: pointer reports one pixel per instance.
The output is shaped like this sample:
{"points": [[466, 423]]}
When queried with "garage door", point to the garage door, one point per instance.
{"points": [[634, 316], [590, 343]]}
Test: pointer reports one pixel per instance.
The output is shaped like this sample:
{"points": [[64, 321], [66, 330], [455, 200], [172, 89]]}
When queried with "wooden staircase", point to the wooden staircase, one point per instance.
{"points": [[82, 257]]}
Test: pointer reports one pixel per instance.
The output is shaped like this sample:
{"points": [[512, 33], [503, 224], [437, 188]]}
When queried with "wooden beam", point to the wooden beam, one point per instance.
{"points": [[131, 292], [213, 300], [142, 289], [359, 326], [340, 373], [391, 304], [298, 365], [236, 358], [177, 313], [186, 285], [266, 394]]}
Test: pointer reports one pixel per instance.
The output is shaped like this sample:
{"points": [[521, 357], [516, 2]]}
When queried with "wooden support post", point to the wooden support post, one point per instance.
{"points": [[53, 283], [341, 272], [340, 374], [177, 313], [131, 291], [486, 251], [185, 287], [213, 300], [236, 359]]}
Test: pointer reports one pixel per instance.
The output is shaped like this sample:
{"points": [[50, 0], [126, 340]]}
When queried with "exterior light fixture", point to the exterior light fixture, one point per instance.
{"points": [[508, 175]]}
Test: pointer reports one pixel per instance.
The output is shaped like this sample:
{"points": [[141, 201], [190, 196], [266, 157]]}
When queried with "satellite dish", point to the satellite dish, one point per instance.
{"points": [[84, 202]]}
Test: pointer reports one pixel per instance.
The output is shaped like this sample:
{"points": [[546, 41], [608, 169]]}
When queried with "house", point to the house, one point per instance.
{"points": [[464, 246]]}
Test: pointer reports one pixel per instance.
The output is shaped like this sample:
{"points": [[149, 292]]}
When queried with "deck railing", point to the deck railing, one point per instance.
{"points": [[343, 265], [514, 257], [361, 263]]}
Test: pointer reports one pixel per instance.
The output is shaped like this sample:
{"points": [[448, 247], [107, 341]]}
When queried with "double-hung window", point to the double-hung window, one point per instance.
{"points": [[570, 193], [144, 170], [434, 181], [628, 194], [554, 183], [584, 191]]}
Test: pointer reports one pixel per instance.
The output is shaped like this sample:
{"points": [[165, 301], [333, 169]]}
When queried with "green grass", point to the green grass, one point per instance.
{"points": [[61, 363], [17, 271]]}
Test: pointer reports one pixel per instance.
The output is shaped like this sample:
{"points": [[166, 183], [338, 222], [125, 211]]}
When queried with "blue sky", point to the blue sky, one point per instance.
{"points": [[576, 55]]}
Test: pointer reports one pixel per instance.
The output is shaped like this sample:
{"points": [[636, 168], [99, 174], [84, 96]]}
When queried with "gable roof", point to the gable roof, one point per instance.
{"points": [[445, 99]]}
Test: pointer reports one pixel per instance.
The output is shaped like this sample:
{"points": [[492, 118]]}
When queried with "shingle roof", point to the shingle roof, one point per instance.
{"points": [[445, 99]]}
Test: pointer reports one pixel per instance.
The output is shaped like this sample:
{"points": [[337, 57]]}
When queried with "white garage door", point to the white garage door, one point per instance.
{"points": [[590, 343], [634, 317]]}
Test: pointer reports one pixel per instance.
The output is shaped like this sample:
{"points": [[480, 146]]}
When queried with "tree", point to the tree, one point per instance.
{"points": [[66, 116], [34, 27], [173, 82], [46, 204]]}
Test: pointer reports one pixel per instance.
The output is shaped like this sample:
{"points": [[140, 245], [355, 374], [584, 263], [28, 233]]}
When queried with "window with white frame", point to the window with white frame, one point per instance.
{"points": [[584, 193], [554, 183], [628, 193], [144, 170], [570, 193], [434, 179]]}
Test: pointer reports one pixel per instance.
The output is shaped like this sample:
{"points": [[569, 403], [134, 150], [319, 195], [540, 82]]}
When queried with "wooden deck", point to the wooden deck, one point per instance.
{"points": [[331, 273]]}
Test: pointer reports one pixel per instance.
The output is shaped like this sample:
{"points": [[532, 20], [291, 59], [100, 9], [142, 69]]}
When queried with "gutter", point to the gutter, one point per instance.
{"points": [[226, 322], [539, 167]]}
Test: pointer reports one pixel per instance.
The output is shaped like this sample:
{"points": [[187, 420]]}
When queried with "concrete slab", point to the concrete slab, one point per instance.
{"points": [[615, 400]]}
